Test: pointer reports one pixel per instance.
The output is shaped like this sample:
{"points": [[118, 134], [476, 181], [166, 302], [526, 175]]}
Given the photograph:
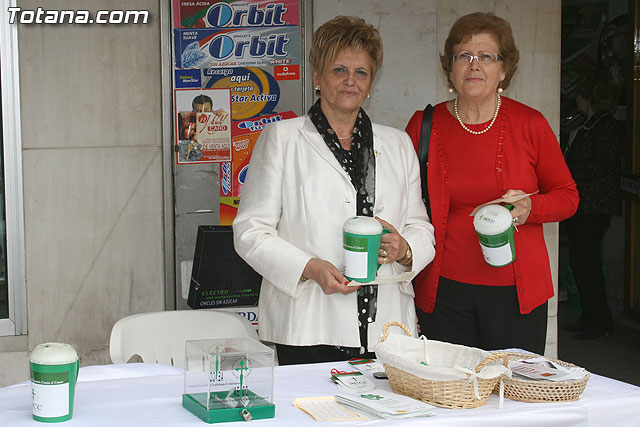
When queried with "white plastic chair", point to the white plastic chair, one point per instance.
{"points": [[160, 337]]}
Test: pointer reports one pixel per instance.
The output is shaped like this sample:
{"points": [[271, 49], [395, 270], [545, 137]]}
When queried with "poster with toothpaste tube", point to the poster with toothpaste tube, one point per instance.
{"points": [[235, 13], [251, 47], [203, 125], [233, 173]]}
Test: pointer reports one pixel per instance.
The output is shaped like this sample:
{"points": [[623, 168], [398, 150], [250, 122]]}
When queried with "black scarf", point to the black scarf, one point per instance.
{"points": [[360, 164]]}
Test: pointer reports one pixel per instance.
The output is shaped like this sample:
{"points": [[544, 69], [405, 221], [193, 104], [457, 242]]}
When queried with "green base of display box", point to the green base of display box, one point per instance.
{"points": [[218, 412]]}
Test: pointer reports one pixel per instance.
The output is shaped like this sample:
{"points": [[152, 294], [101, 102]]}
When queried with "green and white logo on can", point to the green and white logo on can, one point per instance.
{"points": [[357, 258], [54, 373], [361, 244]]}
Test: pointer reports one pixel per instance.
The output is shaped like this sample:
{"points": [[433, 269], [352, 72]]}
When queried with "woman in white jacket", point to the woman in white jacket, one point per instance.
{"points": [[307, 176]]}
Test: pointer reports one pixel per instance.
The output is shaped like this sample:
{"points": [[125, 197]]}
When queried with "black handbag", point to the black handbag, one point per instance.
{"points": [[423, 153]]}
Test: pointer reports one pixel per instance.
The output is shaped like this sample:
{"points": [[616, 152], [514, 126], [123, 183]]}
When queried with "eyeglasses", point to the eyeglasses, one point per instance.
{"points": [[482, 58]]}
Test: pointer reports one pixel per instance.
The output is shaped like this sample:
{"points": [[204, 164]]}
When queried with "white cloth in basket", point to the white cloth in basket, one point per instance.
{"points": [[444, 361]]}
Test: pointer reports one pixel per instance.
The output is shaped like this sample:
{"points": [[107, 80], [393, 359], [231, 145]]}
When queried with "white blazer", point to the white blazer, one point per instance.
{"points": [[294, 202]]}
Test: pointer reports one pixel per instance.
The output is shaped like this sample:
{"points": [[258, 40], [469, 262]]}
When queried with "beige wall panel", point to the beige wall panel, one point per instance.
{"points": [[90, 85], [93, 176], [93, 241], [15, 367]]}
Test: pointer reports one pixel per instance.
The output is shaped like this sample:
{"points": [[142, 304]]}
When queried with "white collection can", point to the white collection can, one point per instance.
{"points": [[494, 227]]}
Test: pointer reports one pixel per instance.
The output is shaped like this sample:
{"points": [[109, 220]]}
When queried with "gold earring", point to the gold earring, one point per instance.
{"points": [[500, 90]]}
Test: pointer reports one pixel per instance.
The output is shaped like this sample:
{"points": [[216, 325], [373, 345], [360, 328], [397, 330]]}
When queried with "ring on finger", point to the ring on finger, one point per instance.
{"points": [[516, 220], [384, 253]]}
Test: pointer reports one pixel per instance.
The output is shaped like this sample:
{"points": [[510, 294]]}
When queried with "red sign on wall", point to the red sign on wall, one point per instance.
{"points": [[286, 72]]}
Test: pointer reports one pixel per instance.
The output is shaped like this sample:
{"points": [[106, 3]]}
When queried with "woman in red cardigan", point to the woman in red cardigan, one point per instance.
{"points": [[485, 146]]}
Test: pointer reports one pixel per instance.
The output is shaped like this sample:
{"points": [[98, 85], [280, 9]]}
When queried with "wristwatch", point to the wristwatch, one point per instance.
{"points": [[407, 259]]}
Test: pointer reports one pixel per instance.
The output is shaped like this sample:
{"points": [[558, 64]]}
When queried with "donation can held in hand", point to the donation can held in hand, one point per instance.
{"points": [[494, 227]]}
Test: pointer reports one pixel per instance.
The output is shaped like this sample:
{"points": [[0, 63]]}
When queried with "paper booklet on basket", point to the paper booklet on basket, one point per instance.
{"points": [[539, 368], [385, 404]]}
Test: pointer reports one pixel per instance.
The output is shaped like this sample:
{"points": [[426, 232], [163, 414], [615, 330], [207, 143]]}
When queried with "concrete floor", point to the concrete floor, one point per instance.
{"points": [[616, 356]]}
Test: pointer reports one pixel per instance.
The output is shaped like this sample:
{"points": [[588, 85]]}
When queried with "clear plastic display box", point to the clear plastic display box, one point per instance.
{"points": [[228, 379]]}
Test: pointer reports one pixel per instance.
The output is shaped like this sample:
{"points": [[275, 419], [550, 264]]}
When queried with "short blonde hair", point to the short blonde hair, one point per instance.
{"points": [[345, 32]]}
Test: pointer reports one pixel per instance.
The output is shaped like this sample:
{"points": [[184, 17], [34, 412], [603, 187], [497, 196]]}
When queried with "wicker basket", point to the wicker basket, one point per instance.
{"points": [[456, 394], [525, 390]]}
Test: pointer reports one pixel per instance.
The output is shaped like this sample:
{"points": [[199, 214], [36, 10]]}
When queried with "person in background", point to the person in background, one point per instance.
{"points": [[485, 146], [594, 157], [307, 176]]}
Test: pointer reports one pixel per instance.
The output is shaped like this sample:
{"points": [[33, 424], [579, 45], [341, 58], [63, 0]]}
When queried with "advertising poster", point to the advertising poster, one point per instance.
{"points": [[238, 14], [254, 92], [252, 50], [233, 173], [203, 125], [239, 47]]}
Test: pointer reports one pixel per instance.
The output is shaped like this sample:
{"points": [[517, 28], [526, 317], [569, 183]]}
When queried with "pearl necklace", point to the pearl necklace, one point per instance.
{"points": [[495, 115]]}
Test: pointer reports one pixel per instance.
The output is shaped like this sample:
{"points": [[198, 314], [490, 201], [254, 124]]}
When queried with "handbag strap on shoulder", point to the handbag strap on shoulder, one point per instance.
{"points": [[423, 152]]}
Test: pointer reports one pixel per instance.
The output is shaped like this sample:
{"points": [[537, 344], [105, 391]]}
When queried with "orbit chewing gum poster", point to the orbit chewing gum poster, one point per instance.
{"points": [[235, 13], [236, 47], [233, 173]]}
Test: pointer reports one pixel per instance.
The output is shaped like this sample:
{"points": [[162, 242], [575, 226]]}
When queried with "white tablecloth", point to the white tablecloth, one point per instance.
{"points": [[150, 395]]}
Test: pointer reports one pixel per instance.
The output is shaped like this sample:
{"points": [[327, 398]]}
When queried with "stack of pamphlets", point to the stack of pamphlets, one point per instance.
{"points": [[385, 404], [539, 368]]}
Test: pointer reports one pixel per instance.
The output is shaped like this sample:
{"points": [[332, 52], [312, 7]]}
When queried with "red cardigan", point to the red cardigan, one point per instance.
{"points": [[528, 158]]}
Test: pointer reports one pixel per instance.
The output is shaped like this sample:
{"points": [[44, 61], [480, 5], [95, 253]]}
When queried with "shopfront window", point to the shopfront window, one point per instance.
{"points": [[13, 316]]}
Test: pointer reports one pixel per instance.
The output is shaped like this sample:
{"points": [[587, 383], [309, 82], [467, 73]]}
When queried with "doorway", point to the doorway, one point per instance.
{"points": [[598, 34]]}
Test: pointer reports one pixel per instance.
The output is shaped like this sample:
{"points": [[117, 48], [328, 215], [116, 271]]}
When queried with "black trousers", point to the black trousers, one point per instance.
{"points": [[585, 239], [486, 317], [295, 355]]}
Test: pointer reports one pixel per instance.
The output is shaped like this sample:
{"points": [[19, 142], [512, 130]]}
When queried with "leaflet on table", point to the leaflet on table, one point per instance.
{"points": [[262, 46], [367, 365], [235, 13], [385, 404], [353, 382], [540, 368], [232, 174], [325, 409], [203, 130]]}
